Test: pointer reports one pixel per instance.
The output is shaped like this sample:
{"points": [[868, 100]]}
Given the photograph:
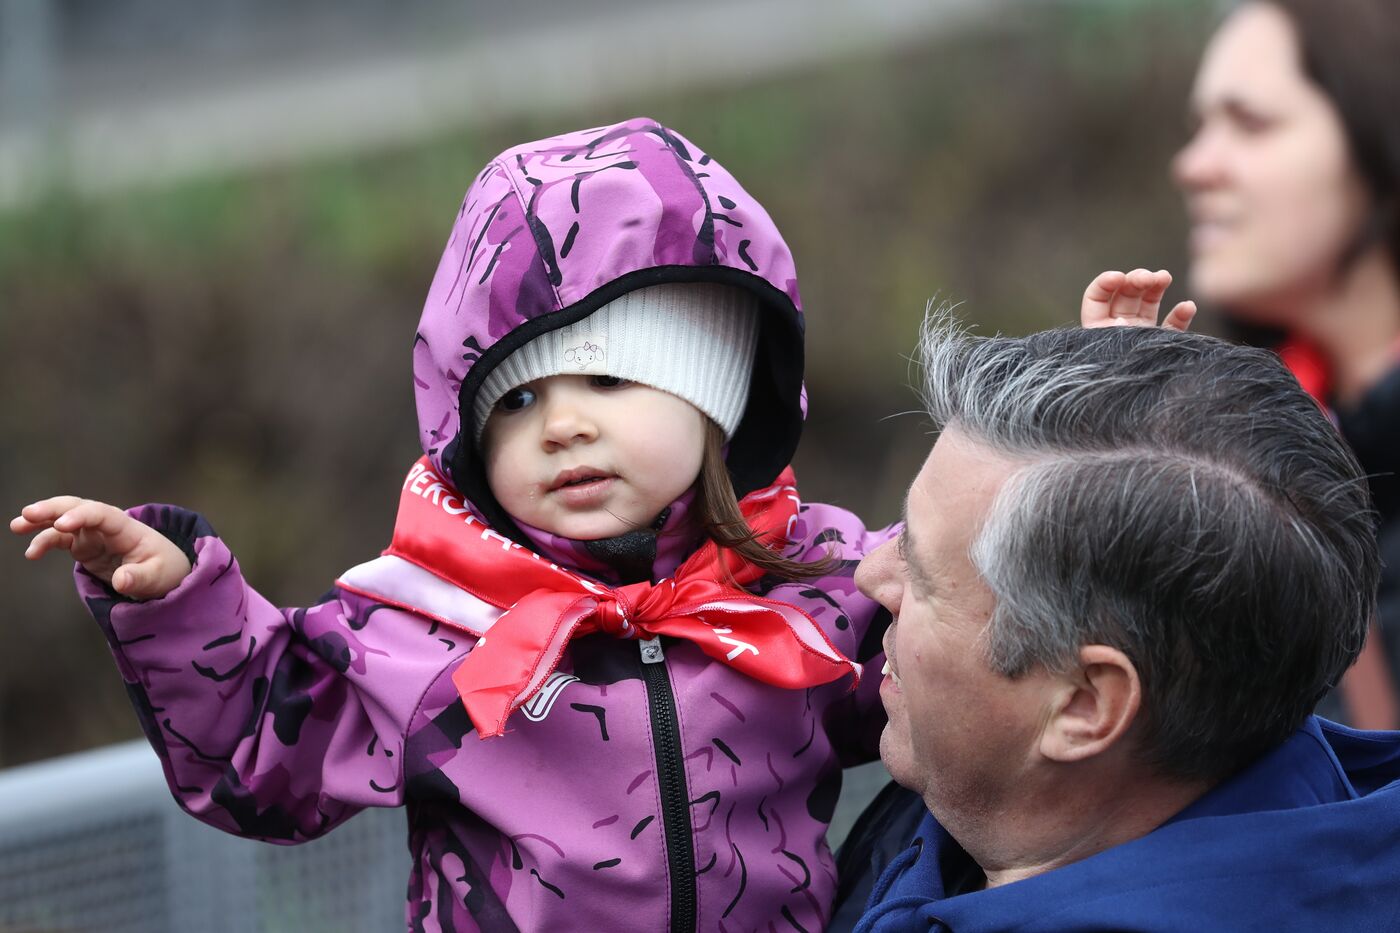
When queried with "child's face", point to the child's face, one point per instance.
{"points": [[588, 457]]}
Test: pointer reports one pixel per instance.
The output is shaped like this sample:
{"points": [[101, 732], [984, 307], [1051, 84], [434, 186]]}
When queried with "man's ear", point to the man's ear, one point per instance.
{"points": [[1098, 703]]}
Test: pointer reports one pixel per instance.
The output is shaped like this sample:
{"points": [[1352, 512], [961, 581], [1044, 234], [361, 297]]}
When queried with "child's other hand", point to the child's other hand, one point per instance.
{"points": [[1132, 299], [138, 561]]}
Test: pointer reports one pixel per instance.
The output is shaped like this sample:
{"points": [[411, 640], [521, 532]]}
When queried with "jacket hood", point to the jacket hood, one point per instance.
{"points": [[552, 230]]}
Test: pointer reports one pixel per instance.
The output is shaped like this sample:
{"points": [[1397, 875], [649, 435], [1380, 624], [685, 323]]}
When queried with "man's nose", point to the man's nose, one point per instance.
{"points": [[875, 575]]}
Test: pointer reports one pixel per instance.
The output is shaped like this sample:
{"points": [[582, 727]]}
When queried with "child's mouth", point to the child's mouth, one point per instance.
{"points": [[578, 476], [580, 486]]}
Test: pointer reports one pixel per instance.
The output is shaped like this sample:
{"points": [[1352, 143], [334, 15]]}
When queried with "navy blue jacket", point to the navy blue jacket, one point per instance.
{"points": [[1306, 838]]}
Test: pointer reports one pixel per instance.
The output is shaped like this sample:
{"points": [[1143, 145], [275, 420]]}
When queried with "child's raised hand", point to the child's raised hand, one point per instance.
{"points": [[1132, 299], [138, 561]]}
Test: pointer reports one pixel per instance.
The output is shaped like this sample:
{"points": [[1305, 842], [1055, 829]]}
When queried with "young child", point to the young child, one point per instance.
{"points": [[597, 717], [600, 568]]}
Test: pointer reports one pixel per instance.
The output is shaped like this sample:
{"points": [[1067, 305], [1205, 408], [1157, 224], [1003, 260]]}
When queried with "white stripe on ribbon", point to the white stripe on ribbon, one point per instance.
{"points": [[398, 582], [801, 625]]}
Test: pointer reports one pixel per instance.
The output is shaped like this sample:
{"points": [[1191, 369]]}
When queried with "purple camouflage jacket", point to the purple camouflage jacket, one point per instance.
{"points": [[629, 795]]}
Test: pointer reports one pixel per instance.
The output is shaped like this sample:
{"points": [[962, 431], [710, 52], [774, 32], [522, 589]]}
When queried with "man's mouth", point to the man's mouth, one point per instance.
{"points": [[889, 671]]}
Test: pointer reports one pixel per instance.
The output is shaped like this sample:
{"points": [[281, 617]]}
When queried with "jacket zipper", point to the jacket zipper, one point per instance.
{"points": [[675, 795]]}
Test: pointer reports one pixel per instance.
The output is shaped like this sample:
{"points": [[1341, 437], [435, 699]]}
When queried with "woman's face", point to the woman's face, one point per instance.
{"points": [[1273, 198]]}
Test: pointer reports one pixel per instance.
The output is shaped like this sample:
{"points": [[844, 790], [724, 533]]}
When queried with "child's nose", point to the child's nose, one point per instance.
{"points": [[566, 423]]}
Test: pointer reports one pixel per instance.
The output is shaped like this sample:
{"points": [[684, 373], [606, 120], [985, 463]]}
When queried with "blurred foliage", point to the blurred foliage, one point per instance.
{"points": [[241, 345]]}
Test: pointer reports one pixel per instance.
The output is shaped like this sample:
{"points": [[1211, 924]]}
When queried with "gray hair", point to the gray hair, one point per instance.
{"points": [[1181, 499]]}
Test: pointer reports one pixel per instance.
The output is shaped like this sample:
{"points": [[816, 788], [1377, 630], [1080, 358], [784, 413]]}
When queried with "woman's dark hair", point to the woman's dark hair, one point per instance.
{"points": [[1351, 51], [723, 523]]}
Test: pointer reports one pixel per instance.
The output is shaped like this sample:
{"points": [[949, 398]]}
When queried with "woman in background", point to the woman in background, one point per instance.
{"points": [[1292, 183]]}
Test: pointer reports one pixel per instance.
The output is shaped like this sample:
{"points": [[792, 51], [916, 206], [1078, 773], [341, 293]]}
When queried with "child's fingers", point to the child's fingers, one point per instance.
{"points": [[94, 551], [41, 514], [23, 526], [1104, 287], [90, 514], [1132, 298], [151, 577], [1155, 285], [1180, 317], [103, 527], [98, 535], [1127, 304], [48, 539], [1144, 284], [133, 580]]}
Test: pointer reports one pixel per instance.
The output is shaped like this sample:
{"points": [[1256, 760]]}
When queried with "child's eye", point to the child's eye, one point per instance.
{"points": [[610, 382], [516, 399]]}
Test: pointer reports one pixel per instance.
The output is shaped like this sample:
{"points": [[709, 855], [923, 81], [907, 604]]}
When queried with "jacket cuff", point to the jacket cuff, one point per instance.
{"points": [[180, 526]]}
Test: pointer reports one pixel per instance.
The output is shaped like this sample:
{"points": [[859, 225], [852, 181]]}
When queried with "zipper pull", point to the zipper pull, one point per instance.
{"points": [[651, 651]]}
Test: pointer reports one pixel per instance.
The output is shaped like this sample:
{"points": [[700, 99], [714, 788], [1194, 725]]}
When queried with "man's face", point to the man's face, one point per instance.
{"points": [[960, 734]]}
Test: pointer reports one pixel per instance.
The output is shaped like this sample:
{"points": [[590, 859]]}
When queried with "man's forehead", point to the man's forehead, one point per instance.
{"points": [[954, 488]]}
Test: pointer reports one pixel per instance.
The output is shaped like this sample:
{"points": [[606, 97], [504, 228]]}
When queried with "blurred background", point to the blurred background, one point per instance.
{"points": [[218, 222]]}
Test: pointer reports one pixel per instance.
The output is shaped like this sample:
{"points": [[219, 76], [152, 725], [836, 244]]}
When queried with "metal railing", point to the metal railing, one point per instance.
{"points": [[94, 842]]}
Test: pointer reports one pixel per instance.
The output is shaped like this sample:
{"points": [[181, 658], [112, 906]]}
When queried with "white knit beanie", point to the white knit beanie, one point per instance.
{"points": [[695, 340]]}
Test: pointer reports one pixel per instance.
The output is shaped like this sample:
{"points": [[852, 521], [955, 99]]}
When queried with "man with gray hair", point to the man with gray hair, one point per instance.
{"points": [[1133, 562]]}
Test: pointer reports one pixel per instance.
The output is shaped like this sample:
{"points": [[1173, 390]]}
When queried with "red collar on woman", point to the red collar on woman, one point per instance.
{"points": [[1308, 366]]}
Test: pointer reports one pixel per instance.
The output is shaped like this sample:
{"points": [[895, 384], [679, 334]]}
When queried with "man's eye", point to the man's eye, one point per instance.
{"points": [[516, 399], [610, 382]]}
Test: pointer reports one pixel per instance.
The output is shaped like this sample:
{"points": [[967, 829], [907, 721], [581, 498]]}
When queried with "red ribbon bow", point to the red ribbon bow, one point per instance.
{"points": [[546, 605]]}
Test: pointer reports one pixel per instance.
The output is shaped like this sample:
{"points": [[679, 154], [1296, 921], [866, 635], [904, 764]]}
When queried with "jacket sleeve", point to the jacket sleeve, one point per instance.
{"points": [[855, 623], [262, 717]]}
